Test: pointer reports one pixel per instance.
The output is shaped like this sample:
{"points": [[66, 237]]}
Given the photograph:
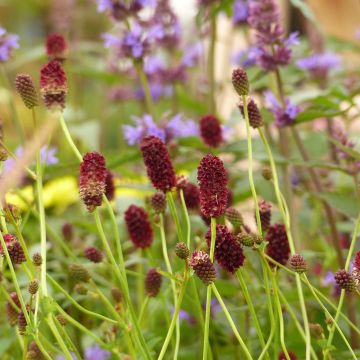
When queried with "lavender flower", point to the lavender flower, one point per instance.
{"points": [[283, 116], [7, 43], [319, 65], [329, 280], [191, 55], [240, 12], [95, 352], [121, 9], [178, 127], [273, 48], [157, 91], [245, 58]]}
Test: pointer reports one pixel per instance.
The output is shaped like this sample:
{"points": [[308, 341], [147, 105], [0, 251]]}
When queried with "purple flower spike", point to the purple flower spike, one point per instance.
{"points": [[95, 352], [8, 42], [240, 12], [283, 117]]}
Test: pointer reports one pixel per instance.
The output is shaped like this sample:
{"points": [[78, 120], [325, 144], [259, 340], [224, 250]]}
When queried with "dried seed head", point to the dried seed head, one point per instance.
{"points": [[13, 211], [93, 254], [212, 179], [228, 252], [34, 353], [158, 164], [53, 85], [203, 267], [26, 88], [298, 263], [255, 117], [240, 81], [33, 287], [152, 282], [21, 323], [61, 319], [316, 331], [182, 251], [245, 239], [345, 280], [110, 186], [266, 173], [80, 289], [116, 294], [138, 226], [92, 180], [56, 47], [37, 259], [158, 202], [265, 214], [278, 247], [234, 217], [3, 154], [79, 273], [210, 131]]}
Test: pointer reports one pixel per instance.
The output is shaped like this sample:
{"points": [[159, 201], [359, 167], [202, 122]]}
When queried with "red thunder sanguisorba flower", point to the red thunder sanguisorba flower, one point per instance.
{"points": [[210, 131], [255, 117], [26, 88], [357, 260], [240, 81], [228, 251], [93, 254], [356, 268], [138, 226], [265, 214], [56, 47], [191, 195], [153, 282], [203, 267], [110, 186], [278, 247], [53, 85], [92, 180], [292, 356], [14, 249], [158, 164], [11, 312], [212, 181], [345, 280]]}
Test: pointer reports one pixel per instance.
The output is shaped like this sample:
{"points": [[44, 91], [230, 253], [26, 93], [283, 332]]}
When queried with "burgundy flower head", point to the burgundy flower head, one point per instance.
{"points": [[212, 181], [138, 226], [56, 47], [110, 187], [26, 88], [357, 260], [210, 130], [191, 195], [228, 252], [14, 248], [53, 85], [255, 117], [158, 164], [153, 282], [93, 254], [265, 214], [292, 356], [203, 267], [278, 247], [11, 312], [345, 280], [240, 81], [92, 180]]}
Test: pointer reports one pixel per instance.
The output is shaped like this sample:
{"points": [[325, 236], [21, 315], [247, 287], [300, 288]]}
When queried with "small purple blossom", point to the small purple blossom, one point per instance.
{"points": [[8, 42], [329, 280], [157, 90], [192, 55], [283, 116], [95, 352], [240, 12], [178, 127], [319, 65], [245, 58]]}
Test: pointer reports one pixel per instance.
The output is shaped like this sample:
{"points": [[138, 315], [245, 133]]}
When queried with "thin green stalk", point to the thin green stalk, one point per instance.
{"points": [[211, 62], [251, 307], [41, 347], [56, 285], [250, 165], [173, 284], [208, 293], [139, 281], [69, 138], [187, 219], [286, 219], [174, 215], [175, 316], [231, 322], [143, 308]]}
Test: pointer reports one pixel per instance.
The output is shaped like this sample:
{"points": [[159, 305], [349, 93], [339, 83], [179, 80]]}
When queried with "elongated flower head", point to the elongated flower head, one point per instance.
{"points": [[33, 287], [92, 180], [153, 282], [53, 85], [240, 81], [191, 195], [357, 260], [110, 187], [182, 251], [56, 47], [158, 202], [266, 173], [14, 249], [21, 323], [26, 88], [278, 247], [298, 263], [37, 259], [345, 280], [79, 273], [210, 131], [116, 294], [93, 254], [265, 214], [255, 117], [228, 252], [234, 217], [158, 164], [138, 226], [212, 181], [203, 267]]}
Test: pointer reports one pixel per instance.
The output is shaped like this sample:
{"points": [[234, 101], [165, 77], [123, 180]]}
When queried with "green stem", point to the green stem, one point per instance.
{"points": [[211, 63], [143, 308], [174, 215], [208, 293], [187, 219], [251, 307], [250, 165], [173, 285], [231, 322], [69, 138]]}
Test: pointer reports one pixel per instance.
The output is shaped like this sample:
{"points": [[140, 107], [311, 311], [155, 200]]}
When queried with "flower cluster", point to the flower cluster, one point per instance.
{"points": [[8, 42], [278, 247]]}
